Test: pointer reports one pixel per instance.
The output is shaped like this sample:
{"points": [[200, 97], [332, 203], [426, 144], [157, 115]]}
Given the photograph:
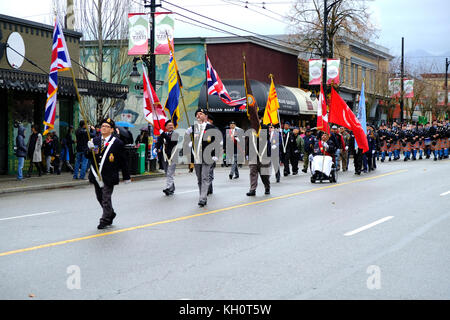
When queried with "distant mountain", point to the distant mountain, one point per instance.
{"points": [[422, 61]]}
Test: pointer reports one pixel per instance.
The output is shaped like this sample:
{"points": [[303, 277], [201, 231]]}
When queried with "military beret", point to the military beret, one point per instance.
{"points": [[200, 110], [108, 121]]}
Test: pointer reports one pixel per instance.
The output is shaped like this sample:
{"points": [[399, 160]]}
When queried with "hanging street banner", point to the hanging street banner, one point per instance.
{"points": [[138, 28], [408, 87], [333, 71], [315, 71], [164, 26], [394, 87], [441, 98]]}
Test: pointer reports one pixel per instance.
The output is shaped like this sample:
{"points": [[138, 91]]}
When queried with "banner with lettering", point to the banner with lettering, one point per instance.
{"points": [[138, 28]]}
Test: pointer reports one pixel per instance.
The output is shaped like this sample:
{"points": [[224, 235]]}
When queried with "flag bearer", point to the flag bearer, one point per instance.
{"points": [[167, 150], [110, 156]]}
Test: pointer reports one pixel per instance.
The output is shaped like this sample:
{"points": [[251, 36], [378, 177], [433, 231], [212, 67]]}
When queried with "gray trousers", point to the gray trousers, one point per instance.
{"points": [[234, 167], [104, 198], [170, 172], [203, 180], [261, 170]]}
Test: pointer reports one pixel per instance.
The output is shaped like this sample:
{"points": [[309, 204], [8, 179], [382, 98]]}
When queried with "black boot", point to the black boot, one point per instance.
{"points": [[251, 193]]}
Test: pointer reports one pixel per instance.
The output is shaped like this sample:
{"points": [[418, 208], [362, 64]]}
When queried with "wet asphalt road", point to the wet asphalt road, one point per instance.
{"points": [[382, 235]]}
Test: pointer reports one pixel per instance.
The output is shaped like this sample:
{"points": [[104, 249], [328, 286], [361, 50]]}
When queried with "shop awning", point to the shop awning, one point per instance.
{"points": [[293, 101], [38, 82]]}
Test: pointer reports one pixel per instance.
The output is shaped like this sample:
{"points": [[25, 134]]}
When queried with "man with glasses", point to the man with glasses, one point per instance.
{"points": [[109, 159]]}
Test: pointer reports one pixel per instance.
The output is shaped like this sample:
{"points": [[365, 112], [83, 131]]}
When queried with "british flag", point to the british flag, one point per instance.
{"points": [[60, 62], [216, 87]]}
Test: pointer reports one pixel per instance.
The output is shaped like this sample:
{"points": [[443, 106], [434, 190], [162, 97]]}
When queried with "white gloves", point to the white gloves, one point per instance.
{"points": [[127, 181], [91, 144], [215, 159], [325, 145], [274, 147], [373, 151], [346, 148]]}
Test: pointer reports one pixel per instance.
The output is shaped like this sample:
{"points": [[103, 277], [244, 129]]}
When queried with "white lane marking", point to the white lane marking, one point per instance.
{"points": [[28, 215], [445, 193], [367, 226], [186, 192]]}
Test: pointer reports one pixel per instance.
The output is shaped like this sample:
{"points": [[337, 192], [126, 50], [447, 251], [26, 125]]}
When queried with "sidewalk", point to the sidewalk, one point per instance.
{"points": [[9, 183]]}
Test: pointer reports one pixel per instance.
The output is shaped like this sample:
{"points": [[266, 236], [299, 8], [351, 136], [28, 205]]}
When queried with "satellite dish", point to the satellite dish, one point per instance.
{"points": [[15, 50]]}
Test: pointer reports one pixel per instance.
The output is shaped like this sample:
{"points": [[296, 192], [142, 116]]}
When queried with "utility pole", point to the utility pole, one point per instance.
{"points": [[152, 61], [324, 49], [446, 84], [402, 74]]}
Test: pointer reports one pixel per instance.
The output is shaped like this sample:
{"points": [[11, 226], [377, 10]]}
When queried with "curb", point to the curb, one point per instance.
{"points": [[71, 184]]}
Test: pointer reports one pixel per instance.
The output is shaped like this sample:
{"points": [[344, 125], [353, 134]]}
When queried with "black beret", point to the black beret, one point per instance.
{"points": [[200, 110], [108, 121]]}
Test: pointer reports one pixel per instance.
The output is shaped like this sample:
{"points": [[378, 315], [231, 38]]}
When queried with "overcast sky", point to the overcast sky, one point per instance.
{"points": [[425, 25]]}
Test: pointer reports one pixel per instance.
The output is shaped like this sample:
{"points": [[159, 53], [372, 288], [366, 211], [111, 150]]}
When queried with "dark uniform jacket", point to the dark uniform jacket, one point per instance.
{"points": [[168, 141], [289, 141], [115, 160], [194, 137]]}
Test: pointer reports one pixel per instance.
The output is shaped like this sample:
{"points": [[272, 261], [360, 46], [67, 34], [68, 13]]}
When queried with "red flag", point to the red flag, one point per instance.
{"points": [[153, 111], [342, 115], [322, 115]]}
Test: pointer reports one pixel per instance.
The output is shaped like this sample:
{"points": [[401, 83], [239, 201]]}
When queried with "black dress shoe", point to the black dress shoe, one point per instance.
{"points": [[103, 225], [166, 191], [267, 191], [231, 176], [236, 177], [202, 203], [251, 193], [305, 170]]}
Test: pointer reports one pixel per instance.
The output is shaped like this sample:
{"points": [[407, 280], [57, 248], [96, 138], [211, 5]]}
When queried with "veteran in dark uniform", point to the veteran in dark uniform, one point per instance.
{"points": [[110, 158]]}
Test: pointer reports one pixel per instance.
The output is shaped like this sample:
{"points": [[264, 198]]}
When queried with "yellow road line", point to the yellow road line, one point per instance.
{"points": [[53, 244]]}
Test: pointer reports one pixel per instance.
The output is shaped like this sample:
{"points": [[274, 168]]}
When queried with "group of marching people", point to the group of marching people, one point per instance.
{"points": [[414, 142]]}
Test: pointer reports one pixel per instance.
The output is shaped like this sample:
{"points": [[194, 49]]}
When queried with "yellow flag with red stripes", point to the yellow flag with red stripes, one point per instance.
{"points": [[272, 106]]}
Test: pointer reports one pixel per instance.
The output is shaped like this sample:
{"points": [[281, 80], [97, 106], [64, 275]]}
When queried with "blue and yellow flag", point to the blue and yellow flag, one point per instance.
{"points": [[174, 92]]}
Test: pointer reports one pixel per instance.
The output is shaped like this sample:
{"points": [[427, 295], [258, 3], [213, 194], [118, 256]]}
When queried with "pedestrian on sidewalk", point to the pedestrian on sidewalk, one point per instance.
{"points": [[35, 150], [110, 157], [56, 153], [81, 161], [47, 147], [21, 151]]}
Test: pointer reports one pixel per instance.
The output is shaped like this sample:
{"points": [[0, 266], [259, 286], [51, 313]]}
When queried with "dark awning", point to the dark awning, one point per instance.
{"points": [[38, 82], [289, 104]]}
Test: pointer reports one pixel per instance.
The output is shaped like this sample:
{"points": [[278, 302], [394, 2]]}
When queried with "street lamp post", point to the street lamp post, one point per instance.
{"points": [[326, 11]]}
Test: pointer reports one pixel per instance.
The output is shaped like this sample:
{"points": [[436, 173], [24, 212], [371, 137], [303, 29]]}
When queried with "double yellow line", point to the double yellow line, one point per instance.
{"points": [[53, 244]]}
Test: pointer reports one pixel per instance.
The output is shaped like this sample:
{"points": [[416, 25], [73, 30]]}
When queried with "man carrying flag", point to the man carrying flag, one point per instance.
{"points": [[257, 167], [60, 62], [216, 87], [342, 115]]}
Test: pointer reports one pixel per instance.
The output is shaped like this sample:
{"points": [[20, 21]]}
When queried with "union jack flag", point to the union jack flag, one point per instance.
{"points": [[60, 62], [216, 87]]}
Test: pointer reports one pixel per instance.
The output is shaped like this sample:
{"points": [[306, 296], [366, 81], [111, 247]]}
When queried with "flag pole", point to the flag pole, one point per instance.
{"points": [[278, 114], [83, 113], [206, 73]]}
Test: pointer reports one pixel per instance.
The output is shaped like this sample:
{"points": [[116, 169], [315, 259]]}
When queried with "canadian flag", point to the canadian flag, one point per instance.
{"points": [[342, 115], [153, 111], [322, 115]]}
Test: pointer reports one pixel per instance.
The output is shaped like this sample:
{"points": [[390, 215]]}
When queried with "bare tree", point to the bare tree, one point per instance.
{"points": [[103, 49], [349, 17]]}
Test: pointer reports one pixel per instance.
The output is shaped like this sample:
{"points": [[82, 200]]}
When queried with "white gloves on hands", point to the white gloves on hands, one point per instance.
{"points": [[91, 144]]}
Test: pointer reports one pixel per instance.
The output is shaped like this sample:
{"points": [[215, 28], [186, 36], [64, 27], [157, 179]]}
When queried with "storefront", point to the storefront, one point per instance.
{"points": [[24, 81]]}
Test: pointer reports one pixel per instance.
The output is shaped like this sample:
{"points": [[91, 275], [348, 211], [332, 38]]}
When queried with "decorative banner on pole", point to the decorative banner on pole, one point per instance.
{"points": [[408, 87], [441, 98], [138, 33], [164, 25], [333, 71], [394, 87], [315, 71]]}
